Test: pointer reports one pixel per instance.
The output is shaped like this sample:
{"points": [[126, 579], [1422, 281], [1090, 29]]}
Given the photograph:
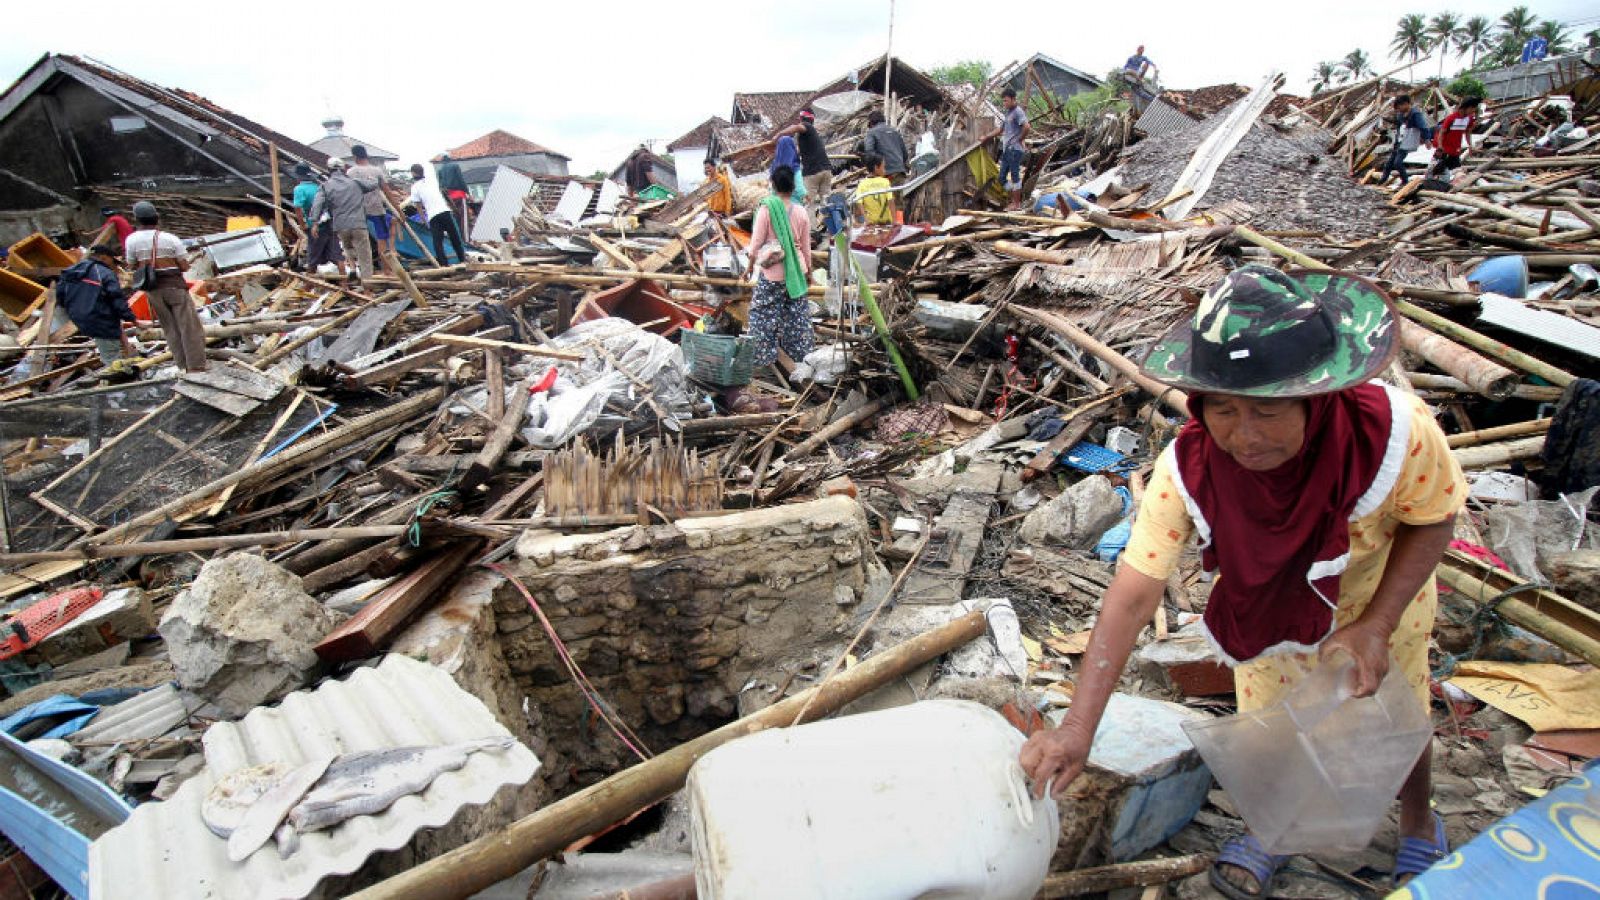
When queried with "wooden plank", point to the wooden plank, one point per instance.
{"points": [[488, 460], [216, 398], [395, 368], [237, 379], [467, 340], [370, 630]]}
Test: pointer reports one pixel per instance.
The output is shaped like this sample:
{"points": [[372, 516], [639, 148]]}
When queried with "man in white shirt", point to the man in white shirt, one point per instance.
{"points": [[425, 194], [169, 298]]}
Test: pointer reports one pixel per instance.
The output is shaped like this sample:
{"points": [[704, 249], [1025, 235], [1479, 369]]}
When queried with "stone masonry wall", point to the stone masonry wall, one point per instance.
{"points": [[672, 622]]}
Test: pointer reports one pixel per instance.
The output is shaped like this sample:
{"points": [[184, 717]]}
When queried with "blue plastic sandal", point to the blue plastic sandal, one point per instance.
{"points": [[1246, 853], [1417, 855]]}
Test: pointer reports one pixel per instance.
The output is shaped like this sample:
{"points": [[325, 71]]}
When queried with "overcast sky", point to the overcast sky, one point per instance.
{"points": [[592, 79]]}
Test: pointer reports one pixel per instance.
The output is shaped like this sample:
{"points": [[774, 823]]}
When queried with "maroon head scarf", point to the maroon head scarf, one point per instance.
{"points": [[1280, 539]]}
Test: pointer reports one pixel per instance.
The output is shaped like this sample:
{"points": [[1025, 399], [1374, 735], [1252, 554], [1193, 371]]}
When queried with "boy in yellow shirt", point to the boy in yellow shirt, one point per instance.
{"points": [[874, 198]]}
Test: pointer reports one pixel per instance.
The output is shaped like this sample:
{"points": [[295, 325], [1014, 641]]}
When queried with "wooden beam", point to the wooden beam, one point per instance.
{"points": [[371, 629], [202, 544], [488, 461], [393, 369], [465, 340]]}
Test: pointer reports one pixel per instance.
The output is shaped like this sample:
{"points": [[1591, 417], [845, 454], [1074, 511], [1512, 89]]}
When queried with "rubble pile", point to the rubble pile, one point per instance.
{"points": [[530, 471]]}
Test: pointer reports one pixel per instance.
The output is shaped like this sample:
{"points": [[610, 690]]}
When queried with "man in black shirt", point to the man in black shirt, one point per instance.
{"points": [[813, 158]]}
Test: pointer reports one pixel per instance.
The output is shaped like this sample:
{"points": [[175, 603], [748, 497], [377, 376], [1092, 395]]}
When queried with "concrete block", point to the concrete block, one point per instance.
{"points": [[1148, 776]]}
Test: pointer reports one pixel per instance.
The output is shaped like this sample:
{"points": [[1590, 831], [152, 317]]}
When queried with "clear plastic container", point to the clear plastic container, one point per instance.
{"points": [[1317, 772]]}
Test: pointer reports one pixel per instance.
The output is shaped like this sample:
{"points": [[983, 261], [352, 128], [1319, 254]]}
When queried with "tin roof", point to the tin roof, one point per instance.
{"points": [[166, 849]]}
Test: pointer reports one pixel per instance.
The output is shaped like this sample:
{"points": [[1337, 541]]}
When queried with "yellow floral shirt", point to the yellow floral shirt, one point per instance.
{"points": [[1428, 489]]}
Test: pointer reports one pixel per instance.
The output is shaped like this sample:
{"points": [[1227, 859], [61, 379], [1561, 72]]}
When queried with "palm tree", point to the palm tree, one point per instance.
{"points": [[1518, 24], [1591, 38], [1442, 30], [1556, 34], [1356, 64], [1476, 36], [1410, 39], [1322, 76]]}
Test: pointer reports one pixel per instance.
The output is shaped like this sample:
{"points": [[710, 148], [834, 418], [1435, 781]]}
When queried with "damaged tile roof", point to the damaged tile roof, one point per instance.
{"points": [[1200, 103], [500, 142], [700, 135], [770, 107]]}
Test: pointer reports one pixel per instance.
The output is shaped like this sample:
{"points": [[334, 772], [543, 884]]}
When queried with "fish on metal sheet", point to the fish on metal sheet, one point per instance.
{"points": [[268, 811], [362, 784]]}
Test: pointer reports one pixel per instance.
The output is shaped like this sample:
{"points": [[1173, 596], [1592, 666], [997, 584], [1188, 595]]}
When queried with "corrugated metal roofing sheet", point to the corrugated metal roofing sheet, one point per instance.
{"points": [[165, 850], [501, 204], [1513, 315], [151, 714]]}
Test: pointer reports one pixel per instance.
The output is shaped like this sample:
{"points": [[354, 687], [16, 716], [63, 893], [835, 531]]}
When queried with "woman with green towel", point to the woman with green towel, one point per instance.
{"points": [[780, 263]]}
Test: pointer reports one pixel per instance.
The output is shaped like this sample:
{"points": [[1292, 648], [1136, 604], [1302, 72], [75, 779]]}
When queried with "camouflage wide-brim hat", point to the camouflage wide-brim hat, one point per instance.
{"points": [[1265, 333]]}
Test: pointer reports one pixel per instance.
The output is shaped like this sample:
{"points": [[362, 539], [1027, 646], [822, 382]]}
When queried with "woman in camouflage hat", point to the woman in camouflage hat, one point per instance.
{"points": [[1321, 499]]}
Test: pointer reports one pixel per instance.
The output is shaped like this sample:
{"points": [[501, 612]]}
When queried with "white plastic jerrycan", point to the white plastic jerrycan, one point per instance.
{"points": [[926, 800]]}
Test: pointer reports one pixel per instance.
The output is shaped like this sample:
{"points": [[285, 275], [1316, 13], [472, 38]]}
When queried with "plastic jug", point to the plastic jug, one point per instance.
{"points": [[925, 800], [1317, 772]]}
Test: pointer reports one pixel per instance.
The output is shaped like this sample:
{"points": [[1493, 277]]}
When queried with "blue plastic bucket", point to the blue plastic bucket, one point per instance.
{"points": [[1504, 275]]}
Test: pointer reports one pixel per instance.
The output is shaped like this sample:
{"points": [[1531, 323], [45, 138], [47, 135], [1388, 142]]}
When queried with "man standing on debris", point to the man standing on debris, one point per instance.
{"points": [[1454, 136], [341, 200], [452, 182], [1014, 130], [636, 171], [322, 245], [721, 202], [169, 299], [814, 161], [371, 177], [425, 196], [1139, 65], [780, 263], [884, 141], [1410, 130], [93, 298], [1307, 483]]}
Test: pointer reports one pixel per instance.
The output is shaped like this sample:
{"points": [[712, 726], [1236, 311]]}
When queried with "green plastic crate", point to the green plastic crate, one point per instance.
{"points": [[719, 359]]}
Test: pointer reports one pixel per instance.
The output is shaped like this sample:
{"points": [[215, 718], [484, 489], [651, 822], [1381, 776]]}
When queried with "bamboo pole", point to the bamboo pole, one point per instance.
{"points": [[1427, 381], [562, 275], [1508, 355], [1543, 612], [466, 340], [196, 545], [1484, 376], [989, 234], [1170, 397], [1485, 435], [277, 191], [1018, 251], [1484, 456], [495, 857]]}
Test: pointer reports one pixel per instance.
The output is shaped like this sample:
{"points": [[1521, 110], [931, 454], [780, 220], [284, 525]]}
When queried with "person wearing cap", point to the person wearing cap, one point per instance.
{"points": [[94, 300], [117, 223], [814, 160], [1322, 502], [371, 178], [341, 202], [322, 245], [169, 299], [426, 196]]}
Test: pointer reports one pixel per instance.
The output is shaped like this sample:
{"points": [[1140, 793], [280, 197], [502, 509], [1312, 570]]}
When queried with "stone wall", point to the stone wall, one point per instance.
{"points": [[672, 622]]}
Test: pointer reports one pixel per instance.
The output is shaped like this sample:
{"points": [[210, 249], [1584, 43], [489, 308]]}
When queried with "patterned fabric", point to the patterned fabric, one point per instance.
{"points": [[1547, 850], [1429, 489], [1264, 333], [777, 321]]}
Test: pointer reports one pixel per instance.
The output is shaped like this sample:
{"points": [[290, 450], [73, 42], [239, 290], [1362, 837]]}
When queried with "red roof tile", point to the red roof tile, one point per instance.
{"points": [[500, 143]]}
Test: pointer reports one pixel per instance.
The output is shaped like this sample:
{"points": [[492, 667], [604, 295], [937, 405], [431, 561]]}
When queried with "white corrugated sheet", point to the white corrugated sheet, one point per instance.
{"points": [[501, 204], [1563, 331], [574, 200], [165, 850], [151, 714]]}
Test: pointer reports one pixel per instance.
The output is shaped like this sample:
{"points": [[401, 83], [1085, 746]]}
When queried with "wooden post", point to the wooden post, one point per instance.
{"points": [[497, 856], [500, 440], [1172, 398], [494, 379], [1485, 376], [277, 191]]}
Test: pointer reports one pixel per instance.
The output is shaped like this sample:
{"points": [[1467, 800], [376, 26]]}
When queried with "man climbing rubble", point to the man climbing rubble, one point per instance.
{"points": [[341, 200], [1014, 131], [1409, 128], [814, 161], [1304, 481], [95, 302], [883, 140]]}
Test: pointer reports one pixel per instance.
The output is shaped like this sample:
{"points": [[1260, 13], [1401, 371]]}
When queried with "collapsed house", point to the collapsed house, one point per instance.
{"points": [[489, 517]]}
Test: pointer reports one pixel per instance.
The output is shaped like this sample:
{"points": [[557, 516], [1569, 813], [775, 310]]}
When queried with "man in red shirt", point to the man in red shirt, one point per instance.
{"points": [[115, 220], [1454, 135]]}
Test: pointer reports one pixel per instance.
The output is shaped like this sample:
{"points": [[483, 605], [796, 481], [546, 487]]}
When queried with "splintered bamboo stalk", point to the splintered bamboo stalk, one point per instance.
{"points": [[1485, 435], [1487, 455]]}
